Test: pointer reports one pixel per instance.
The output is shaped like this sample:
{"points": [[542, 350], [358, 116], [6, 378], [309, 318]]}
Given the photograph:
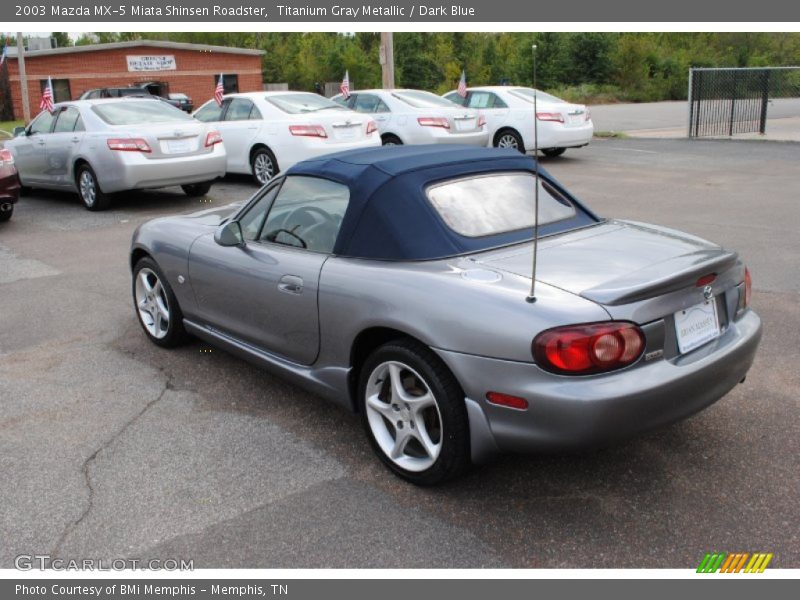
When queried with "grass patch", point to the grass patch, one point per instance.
{"points": [[9, 125]]}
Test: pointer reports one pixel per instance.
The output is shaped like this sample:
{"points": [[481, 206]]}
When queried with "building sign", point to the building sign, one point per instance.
{"points": [[152, 63]]}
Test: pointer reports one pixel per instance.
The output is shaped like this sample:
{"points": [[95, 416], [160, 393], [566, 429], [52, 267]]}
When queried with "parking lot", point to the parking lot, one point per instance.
{"points": [[111, 447]]}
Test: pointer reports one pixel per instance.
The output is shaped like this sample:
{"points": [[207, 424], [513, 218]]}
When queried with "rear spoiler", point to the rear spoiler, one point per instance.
{"points": [[668, 276]]}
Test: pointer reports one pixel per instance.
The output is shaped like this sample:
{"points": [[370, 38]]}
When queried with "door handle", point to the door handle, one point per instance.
{"points": [[291, 284], [40, 142]]}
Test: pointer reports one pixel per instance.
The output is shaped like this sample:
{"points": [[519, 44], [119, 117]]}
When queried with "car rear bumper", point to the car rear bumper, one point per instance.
{"points": [[9, 186], [307, 148], [579, 412], [439, 135], [134, 171], [557, 135]]}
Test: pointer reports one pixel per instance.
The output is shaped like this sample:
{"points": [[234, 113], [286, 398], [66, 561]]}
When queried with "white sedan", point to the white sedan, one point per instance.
{"points": [[268, 132], [417, 117], [508, 111]]}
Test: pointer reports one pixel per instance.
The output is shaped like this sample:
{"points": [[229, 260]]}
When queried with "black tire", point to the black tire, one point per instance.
{"points": [[259, 160], [508, 138], [553, 152], [391, 140], [175, 334], [86, 181], [24, 190], [453, 434], [195, 190], [6, 214]]}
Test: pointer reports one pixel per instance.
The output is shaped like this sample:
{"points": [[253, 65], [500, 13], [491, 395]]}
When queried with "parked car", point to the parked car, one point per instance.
{"points": [[9, 184], [129, 92], [509, 115], [396, 282], [266, 132], [182, 101], [98, 147], [417, 117]]}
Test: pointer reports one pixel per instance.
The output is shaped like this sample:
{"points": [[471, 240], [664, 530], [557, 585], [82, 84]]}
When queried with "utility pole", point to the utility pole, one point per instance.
{"points": [[23, 78], [387, 59]]}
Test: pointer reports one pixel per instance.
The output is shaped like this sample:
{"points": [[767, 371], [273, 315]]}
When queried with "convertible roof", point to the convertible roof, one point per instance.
{"points": [[389, 216]]}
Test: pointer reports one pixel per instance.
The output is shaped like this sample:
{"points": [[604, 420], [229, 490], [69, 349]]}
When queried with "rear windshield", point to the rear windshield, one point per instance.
{"points": [[527, 94], [135, 113], [499, 203], [420, 99], [296, 104]]}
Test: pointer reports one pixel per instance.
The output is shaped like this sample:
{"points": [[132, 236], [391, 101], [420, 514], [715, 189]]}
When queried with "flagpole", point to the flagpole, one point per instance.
{"points": [[532, 296], [23, 79]]}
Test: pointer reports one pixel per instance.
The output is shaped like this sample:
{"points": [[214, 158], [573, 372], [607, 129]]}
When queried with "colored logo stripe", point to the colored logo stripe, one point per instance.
{"points": [[735, 562]]}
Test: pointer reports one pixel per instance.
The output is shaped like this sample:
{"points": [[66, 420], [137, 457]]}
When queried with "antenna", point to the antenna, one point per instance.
{"points": [[532, 296]]}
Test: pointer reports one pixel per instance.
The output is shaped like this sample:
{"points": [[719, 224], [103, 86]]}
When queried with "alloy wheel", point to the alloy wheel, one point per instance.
{"points": [[88, 188], [263, 167], [152, 303]]}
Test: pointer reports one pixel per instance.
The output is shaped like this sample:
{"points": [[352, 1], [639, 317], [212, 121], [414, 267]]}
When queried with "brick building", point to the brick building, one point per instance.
{"points": [[189, 68]]}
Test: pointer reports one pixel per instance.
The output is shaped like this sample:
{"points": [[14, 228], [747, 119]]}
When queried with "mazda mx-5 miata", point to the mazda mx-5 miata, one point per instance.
{"points": [[396, 281]]}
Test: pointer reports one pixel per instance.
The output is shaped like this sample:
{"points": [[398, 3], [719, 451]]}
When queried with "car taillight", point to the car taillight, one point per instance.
{"points": [[587, 349], [6, 158], [481, 121], [550, 116], [213, 137], [434, 122], [129, 144], [372, 127], [308, 130], [748, 287]]}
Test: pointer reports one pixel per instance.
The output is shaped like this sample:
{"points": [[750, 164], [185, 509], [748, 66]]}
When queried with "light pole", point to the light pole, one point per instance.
{"points": [[23, 78], [387, 59]]}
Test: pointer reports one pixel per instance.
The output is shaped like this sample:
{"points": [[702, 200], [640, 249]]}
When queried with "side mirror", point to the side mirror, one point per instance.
{"points": [[18, 131], [229, 234]]}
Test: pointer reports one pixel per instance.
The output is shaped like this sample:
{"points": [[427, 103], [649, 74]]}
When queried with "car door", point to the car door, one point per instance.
{"points": [[264, 292], [372, 104], [30, 149], [63, 144], [491, 106], [239, 126]]}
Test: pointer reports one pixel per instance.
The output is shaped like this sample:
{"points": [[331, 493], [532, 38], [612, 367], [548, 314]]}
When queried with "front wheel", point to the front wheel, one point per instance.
{"points": [[89, 190], [156, 305], [413, 412], [553, 152], [195, 190]]}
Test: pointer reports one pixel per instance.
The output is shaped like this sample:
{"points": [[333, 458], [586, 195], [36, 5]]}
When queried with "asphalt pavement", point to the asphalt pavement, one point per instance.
{"points": [[111, 447]]}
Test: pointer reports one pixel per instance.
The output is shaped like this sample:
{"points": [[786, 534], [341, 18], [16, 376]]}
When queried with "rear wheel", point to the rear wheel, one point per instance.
{"points": [[263, 165], [553, 152], [413, 412], [196, 190], [89, 190], [391, 140], [508, 138], [156, 305]]}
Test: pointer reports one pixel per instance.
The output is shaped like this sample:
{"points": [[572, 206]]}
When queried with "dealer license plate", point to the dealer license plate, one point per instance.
{"points": [[180, 146], [697, 325], [464, 124]]}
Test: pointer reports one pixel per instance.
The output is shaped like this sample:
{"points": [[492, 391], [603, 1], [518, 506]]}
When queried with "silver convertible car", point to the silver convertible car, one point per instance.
{"points": [[98, 147], [395, 281]]}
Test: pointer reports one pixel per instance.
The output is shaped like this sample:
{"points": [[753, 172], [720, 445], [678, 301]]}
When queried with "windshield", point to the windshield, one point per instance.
{"points": [[419, 99], [300, 103], [527, 94], [131, 112], [494, 204]]}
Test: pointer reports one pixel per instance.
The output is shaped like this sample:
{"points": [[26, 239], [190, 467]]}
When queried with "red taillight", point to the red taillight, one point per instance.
{"points": [[434, 122], [6, 158], [129, 144], [481, 121], [308, 130], [706, 280], [748, 287], [507, 400], [550, 116], [372, 127], [213, 137], [587, 349]]}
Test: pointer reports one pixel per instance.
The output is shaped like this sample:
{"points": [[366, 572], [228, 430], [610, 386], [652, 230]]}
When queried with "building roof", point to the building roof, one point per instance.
{"points": [[12, 50]]}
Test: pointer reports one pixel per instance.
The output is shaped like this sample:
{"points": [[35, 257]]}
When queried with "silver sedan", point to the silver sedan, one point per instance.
{"points": [[98, 147]]}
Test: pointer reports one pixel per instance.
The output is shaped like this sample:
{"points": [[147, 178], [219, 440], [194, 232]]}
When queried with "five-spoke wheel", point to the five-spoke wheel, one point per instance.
{"points": [[156, 305]]}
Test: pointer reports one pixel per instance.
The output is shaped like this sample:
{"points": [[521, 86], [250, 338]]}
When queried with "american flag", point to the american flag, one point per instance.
{"points": [[219, 91], [47, 97], [345, 86], [462, 85]]}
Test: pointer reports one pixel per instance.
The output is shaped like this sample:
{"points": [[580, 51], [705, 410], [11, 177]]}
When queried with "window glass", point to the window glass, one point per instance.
{"points": [[307, 213], [42, 124], [485, 100], [208, 113], [456, 98], [420, 99], [130, 112], [61, 91], [493, 204], [67, 120], [230, 83], [238, 109], [251, 221], [369, 103], [302, 102]]}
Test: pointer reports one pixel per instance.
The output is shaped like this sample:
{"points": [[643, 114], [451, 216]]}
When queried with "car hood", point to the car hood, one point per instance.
{"points": [[617, 262]]}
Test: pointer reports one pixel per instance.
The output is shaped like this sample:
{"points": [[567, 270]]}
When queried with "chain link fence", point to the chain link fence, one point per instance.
{"points": [[729, 101]]}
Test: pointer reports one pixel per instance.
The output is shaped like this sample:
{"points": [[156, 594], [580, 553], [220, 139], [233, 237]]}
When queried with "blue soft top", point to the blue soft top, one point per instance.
{"points": [[389, 216]]}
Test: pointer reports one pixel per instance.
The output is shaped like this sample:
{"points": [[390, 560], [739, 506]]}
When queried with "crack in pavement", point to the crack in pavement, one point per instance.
{"points": [[91, 458]]}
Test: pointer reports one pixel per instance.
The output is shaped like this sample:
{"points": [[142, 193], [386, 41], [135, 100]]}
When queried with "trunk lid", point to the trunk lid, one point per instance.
{"points": [[341, 126], [169, 140]]}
